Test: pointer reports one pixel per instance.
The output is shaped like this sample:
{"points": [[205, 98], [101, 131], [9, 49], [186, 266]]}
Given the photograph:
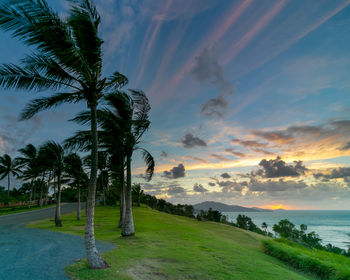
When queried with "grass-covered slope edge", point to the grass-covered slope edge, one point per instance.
{"points": [[321, 263]]}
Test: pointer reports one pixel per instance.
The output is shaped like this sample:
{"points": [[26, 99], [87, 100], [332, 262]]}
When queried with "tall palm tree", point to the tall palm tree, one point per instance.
{"points": [[122, 123], [54, 153], [8, 167], [68, 60]]}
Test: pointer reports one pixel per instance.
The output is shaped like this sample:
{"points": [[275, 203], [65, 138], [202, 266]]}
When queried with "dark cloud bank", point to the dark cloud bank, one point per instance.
{"points": [[175, 172]]}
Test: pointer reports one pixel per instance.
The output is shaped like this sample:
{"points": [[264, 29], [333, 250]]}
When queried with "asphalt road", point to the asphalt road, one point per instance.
{"points": [[36, 254]]}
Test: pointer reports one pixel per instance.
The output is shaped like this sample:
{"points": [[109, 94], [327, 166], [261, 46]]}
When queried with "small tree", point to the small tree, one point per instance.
{"points": [[284, 228], [264, 226]]}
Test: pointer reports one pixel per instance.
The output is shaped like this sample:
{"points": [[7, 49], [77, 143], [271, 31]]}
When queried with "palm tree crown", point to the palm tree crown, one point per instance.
{"points": [[9, 167]]}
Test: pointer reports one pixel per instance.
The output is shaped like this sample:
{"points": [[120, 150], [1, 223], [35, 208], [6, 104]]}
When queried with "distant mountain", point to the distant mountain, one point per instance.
{"points": [[226, 208]]}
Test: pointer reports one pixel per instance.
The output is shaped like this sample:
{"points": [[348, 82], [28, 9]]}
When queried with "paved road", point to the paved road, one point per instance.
{"points": [[38, 254]]}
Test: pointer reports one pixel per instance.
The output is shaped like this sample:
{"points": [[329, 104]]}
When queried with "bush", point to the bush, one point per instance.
{"points": [[324, 264]]}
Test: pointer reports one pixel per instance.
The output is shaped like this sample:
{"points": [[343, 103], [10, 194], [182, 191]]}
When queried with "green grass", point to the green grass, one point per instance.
{"points": [[173, 247], [15, 210], [324, 264]]}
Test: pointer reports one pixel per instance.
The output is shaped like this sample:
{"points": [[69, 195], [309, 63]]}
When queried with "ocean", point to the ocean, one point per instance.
{"points": [[332, 226]]}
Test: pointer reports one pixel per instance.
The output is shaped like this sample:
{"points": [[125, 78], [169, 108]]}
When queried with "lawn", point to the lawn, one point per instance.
{"points": [[15, 210], [173, 247]]}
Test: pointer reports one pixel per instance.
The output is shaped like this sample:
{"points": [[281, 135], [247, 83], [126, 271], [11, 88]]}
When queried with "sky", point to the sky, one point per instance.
{"points": [[250, 99]]}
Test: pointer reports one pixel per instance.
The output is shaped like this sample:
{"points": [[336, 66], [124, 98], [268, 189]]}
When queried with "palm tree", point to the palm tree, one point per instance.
{"points": [[122, 124], [8, 167], [137, 193], [74, 168], [68, 57], [28, 160], [54, 153], [133, 119]]}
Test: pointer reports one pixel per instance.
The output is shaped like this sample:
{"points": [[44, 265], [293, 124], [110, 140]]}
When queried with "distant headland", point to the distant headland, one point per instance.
{"points": [[226, 208]]}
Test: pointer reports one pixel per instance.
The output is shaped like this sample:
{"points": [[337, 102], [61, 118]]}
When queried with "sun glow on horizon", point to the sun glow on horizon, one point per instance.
{"points": [[278, 207]]}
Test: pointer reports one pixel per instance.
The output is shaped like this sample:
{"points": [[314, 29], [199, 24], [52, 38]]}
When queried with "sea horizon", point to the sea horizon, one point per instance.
{"points": [[333, 226]]}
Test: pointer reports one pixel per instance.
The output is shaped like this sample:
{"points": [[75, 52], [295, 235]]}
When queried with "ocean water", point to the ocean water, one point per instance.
{"points": [[332, 226]]}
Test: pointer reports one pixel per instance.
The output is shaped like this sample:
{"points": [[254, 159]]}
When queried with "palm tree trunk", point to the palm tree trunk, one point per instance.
{"points": [[79, 204], [94, 258], [48, 188], [122, 198], [58, 221], [41, 191], [31, 193], [8, 184], [128, 228]]}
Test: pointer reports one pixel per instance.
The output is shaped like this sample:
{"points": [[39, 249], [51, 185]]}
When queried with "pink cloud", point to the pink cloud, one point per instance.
{"points": [[150, 42], [242, 43]]}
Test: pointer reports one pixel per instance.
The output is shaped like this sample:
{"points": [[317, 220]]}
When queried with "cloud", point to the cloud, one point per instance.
{"points": [[275, 136], [190, 141], [199, 188], [262, 151], [211, 184], [164, 154], [237, 154], [214, 107], [208, 70], [249, 143], [225, 175], [345, 147], [232, 186], [174, 190], [175, 10], [275, 168], [220, 158], [175, 172], [276, 186], [293, 133], [14, 134], [337, 173], [196, 159]]}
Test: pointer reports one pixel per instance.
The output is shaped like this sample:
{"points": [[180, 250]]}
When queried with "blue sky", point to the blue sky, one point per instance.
{"points": [[231, 84]]}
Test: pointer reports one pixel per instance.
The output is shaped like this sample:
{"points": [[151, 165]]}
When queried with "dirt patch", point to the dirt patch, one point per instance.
{"points": [[149, 269]]}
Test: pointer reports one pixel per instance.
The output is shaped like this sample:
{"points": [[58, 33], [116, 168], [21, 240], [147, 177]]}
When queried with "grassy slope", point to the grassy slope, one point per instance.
{"points": [[173, 247]]}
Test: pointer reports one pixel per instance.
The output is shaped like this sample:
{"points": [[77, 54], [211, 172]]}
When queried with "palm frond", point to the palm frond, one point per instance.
{"points": [[80, 141], [49, 68], [150, 163], [84, 20], [82, 118], [35, 23], [40, 104], [14, 76], [116, 81]]}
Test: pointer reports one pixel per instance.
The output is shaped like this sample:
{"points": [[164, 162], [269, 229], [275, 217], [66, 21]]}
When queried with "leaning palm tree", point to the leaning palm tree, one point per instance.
{"points": [[28, 161], [122, 123], [134, 122], [8, 167], [67, 60], [55, 155]]}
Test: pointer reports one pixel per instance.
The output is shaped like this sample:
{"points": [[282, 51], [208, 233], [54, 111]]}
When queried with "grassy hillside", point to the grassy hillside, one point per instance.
{"points": [[174, 247]]}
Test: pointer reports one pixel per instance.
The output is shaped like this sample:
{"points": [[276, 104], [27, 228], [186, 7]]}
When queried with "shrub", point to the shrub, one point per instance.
{"points": [[324, 264]]}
